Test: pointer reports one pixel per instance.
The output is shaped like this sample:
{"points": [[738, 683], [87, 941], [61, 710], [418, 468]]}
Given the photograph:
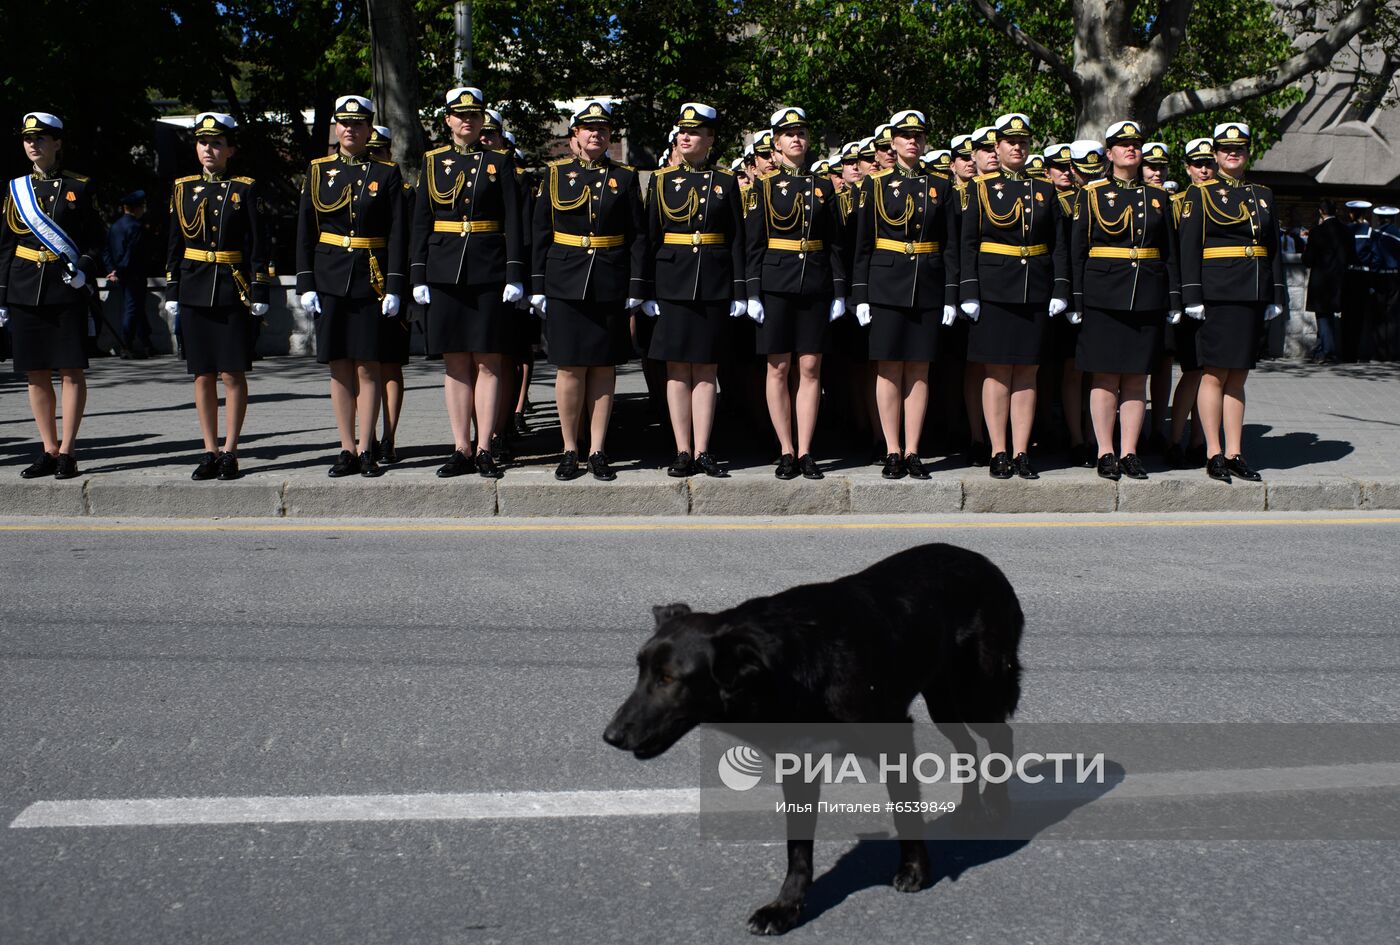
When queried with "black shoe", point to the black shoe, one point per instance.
{"points": [[809, 468], [498, 447], [1108, 467], [568, 467], [458, 464], [1024, 468], [368, 467], [787, 467], [521, 427], [67, 467], [207, 469], [346, 465], [1082, 455], [45, 465], [1216, 468], [894, 467], [915, 467], [486, 465], [376, 449], [680, 466], [228, 467], [387, 453], [1239, 468], [710, 467], [1132, 466], [598, 466], [999, 467], [979, 453]]}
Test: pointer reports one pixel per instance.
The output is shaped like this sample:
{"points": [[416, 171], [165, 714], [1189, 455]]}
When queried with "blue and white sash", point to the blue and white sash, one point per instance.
{"points": [[40, 223]]}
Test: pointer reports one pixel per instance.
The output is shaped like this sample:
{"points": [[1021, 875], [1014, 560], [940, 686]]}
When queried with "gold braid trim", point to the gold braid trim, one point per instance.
{"points": [[1004, 221], [883, 215], [191, 228], [447, 198], [687, 210], [785, 222], [321, 207], [1110, 228], [554, 199]]}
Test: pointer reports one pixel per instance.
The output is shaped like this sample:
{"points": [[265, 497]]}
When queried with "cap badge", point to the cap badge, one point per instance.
{"points": [[352, 106], [690, 113]]}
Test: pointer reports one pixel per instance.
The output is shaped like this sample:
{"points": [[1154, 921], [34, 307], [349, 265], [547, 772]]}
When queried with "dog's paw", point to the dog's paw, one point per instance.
{"points": [[776, 918], [912, 877]]}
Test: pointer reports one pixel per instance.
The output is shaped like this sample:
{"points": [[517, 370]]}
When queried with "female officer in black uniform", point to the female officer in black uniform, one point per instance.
{"points": [[695, 215], [350, 255], [216, 280], [796, 284], [1126, 279], [43, 295], [588, 253], [1232, 282], [468, 269], [1015, 276], [394, 333], [904, 285]]}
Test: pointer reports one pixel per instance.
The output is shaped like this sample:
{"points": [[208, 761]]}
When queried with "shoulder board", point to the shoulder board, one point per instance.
{"points": [[664, 170], [989, 176], [437, 150], [187, 180], [1095, 184], [501, 150], [559, 162], [1201, 184], [724, 170], [243, 180], [940, 175], [80, 178], [1180, 196], [385, 161], [767, 174], [323, 160], [881, 173], [1154, 186], [625, 167]]}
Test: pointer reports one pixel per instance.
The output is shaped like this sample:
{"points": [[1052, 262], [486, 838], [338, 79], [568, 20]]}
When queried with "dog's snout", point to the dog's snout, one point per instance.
{"points": [[614, 735]]}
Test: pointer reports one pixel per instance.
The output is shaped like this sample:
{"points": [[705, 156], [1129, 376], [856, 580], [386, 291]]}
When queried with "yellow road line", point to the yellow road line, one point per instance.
{"points": [[455, 527]]}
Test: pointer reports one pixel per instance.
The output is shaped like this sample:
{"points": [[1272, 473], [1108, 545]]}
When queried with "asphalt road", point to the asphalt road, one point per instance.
{"points": [[175, 662]]}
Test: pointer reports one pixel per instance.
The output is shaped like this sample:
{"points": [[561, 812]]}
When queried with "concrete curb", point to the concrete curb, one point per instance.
{"points": [[531, 493]]}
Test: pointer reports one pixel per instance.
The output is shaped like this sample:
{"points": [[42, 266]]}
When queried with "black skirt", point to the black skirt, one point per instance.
{"points": [[49, 337], [585, 333], [349, 328], [1119, 342], [217, 340], [692, 332], [850, 340], [794, 324], [1008, 333], [904, 334], [1063, 339], [1229, 336], [469, 318], [1183, 342]]}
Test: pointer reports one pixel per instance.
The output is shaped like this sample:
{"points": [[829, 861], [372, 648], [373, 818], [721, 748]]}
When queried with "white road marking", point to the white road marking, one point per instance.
{"points": [[536, 805]]}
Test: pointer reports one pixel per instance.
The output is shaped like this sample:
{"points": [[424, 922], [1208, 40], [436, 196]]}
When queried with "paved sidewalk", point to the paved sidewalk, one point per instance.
{"points": [[1324, 438]]}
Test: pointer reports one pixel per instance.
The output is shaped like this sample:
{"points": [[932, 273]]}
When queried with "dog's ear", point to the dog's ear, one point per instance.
{"points": [[664, 612], [736, 661]]}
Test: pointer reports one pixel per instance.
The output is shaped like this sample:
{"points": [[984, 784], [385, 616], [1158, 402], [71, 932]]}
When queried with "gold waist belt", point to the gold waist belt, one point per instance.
{"points": [[1118, 252], [35, 255], [796, 246], [354, 242], [1234, 252], [913, 249], [464, 227], [588, 241], [693, 239], [209, 255], [1002, 249]]}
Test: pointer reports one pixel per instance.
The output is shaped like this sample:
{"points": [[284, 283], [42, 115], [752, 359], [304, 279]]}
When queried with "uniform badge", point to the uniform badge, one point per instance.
{"points": [[1155, 204], [1039, 196], [71, 197], [491, 169], [1185, 209], [1264, 204], [330, 174], [1076, 211], [718, 190], [612, 183], [447, 165], [235, 198], [374, 186], [199, 189]]}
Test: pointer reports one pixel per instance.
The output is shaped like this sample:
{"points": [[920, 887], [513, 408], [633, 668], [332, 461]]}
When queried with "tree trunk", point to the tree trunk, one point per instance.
{"points": [[393, 34]]}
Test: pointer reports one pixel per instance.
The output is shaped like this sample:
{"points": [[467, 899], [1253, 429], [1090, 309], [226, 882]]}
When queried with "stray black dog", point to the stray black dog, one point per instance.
{"points": [[935, 620]]}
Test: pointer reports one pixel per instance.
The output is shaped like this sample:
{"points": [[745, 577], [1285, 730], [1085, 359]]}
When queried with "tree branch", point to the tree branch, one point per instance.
{"points": [[1310, 60], [1168, 32], [1037, 49]]}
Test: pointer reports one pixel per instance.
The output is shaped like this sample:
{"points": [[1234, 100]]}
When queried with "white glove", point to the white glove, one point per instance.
{"points": [[755, 310], [1173, 317], [972, 308], [513, 292], [650, 308], [1272, 312], [737, 309], [92, 327], [838, 308], [4, 316], [632, 303], [311, 302], [950, 315], [1197, 312], [390, 305], [76, 279], [260, 309], [537, 303], [863, 313], [1075, 318], [172, 309], [422, 294], [1057, 306]]}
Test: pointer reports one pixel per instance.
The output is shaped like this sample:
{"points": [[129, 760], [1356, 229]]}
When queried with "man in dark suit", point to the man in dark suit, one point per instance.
{"points": [[127, 256], [1329, 250]]}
